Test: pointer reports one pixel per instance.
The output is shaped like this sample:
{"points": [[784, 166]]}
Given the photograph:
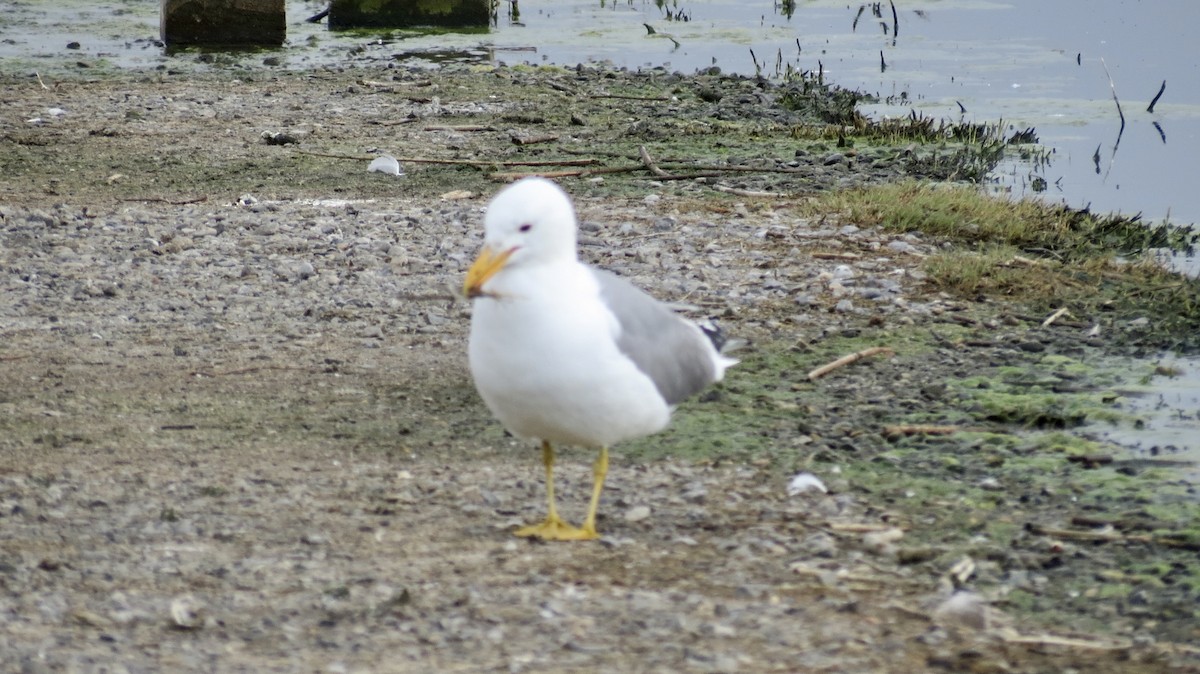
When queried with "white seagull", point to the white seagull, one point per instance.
{"points": [[568, 354]]}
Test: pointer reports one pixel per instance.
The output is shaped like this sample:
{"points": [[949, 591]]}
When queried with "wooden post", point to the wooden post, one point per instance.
{"points": [[410, 13], [227, 23]]}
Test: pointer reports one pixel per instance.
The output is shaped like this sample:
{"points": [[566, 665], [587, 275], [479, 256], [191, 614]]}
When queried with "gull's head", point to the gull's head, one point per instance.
{"points": [[529, 222]]}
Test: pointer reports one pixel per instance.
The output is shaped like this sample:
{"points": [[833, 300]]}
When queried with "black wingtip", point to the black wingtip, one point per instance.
{"points": [[714, 333]]}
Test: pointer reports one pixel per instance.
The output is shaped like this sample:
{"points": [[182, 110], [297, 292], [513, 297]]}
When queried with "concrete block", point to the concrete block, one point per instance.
{"points": [[227, 23]]}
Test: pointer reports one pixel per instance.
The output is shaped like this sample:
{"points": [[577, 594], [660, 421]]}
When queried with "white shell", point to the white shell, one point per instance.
{"points": [[805, 482], [385, 164]]}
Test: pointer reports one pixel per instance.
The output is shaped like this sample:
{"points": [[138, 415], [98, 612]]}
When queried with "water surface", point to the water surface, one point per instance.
{"points": [[1028, 63]]}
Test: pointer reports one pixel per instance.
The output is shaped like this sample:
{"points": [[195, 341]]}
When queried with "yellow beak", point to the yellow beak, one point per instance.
{"points": [[483, 268]]}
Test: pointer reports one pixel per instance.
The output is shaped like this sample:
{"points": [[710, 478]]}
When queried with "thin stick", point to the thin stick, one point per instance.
{"points": [[394, 122], [648, 162], [531, 140], [715, 173], [1055, 316], [859, 527], [918, 429], [836, 256], [181, 202], [244, 370], [1112, 85], [460, 162], [1156, 97], [749, 193], [1051, 640], [466, 127], [846, 360], [1113, 537], [39, 79], [576, 173], [630, 98]]}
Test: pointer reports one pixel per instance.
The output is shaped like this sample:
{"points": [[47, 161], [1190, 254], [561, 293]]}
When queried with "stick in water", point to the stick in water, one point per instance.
{"points": [[1157, 96]]}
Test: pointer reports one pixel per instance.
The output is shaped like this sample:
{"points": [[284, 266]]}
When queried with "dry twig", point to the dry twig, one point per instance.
{"points": [[1113, 537], [748, 193], [846, 360], [859, 527], [394, 122], [1157, 96], [531, 140], [464, 127], [630, 98], [1055, 316], [918, 429], [160, 200], [1112, 85], [644, 154], [576, 173], [459, 162], [1066, 642]]}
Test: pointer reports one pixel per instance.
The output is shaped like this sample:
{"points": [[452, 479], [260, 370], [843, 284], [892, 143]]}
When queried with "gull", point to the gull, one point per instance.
{"points": [[564, 353]]}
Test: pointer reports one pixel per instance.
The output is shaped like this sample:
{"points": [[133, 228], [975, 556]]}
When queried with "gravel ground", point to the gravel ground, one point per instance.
{"points": [[240, 435]]}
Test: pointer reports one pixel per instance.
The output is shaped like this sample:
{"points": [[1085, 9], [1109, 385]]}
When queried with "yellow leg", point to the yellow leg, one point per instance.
{"points": [[553, 528], [599, 471]]}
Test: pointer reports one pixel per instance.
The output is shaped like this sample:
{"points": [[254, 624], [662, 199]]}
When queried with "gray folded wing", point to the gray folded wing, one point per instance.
{"points": [[669, 349]]}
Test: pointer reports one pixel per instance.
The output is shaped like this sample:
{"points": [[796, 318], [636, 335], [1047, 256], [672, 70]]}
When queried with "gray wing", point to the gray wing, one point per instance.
{"points": [[670, 350]]}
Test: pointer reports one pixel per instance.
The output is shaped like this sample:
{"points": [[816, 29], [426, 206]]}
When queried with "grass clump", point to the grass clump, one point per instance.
{"points": [[964, 215], [1042, 256]]}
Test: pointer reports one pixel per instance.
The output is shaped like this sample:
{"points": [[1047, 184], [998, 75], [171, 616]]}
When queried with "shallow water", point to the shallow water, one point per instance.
{"points": [[1026, 62], [1169, 407]]}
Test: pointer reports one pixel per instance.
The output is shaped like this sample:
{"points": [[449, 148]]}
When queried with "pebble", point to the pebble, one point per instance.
{"points": [[963, 609], [637, 513]]}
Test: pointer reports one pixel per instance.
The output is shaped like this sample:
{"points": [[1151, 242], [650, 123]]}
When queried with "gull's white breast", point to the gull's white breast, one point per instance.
{"points": [[544, 356]]}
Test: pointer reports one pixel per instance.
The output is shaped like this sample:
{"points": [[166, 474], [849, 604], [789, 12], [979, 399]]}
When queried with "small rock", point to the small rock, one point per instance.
{"points": [[882, 541], [804, 483], [963, 608], [280, 138], [637, 513], [187, 612], [385, 164], [990, 484]]}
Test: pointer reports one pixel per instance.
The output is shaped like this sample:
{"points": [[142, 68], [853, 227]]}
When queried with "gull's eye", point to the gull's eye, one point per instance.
{"points": [[525, 227]]}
